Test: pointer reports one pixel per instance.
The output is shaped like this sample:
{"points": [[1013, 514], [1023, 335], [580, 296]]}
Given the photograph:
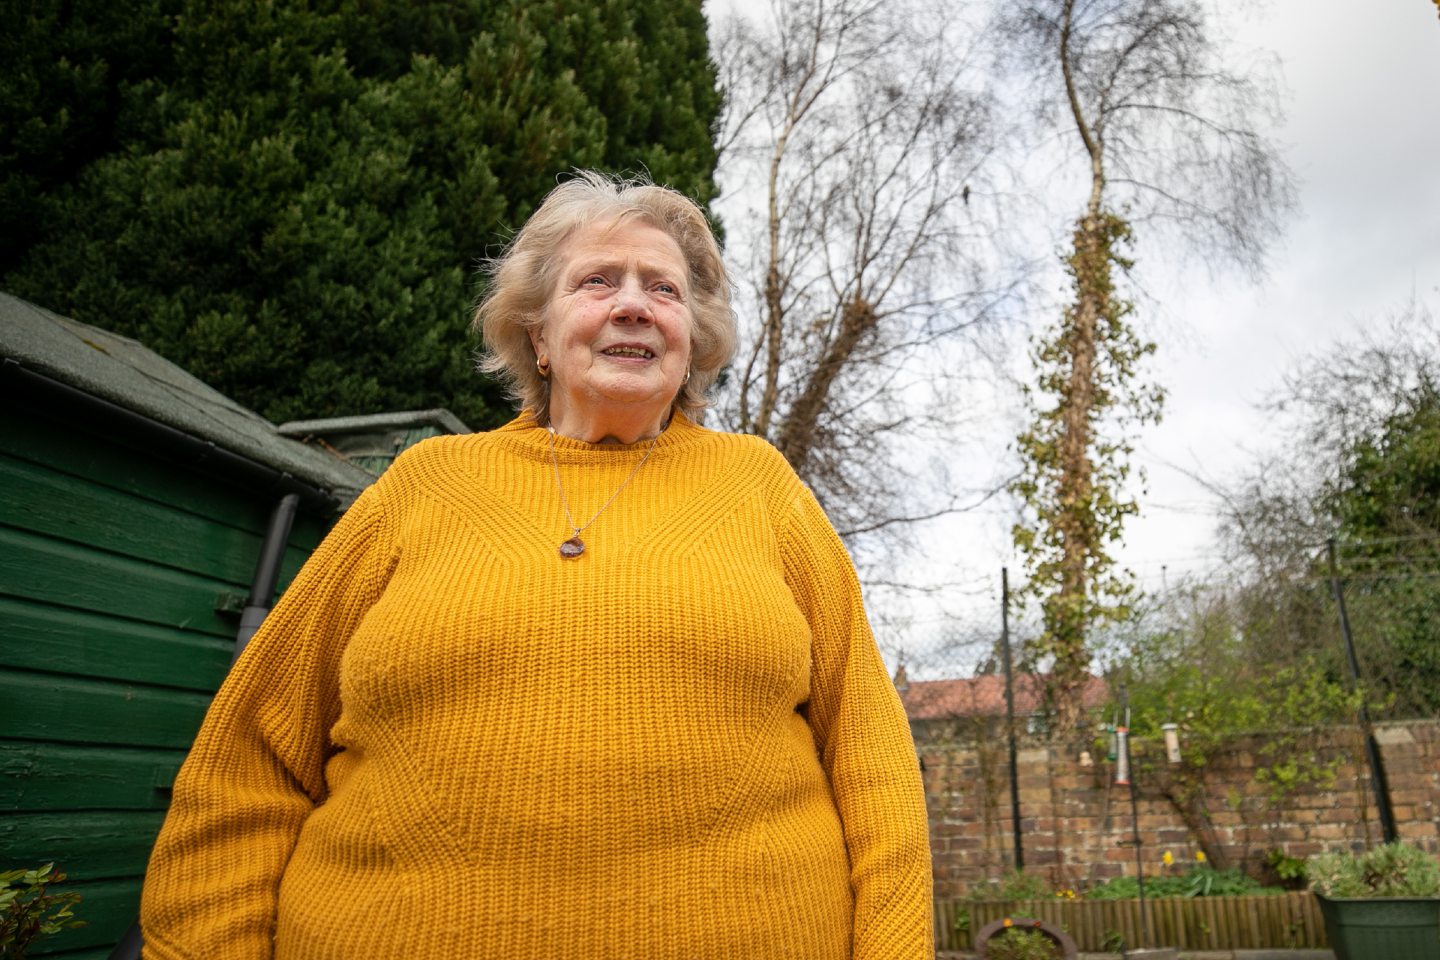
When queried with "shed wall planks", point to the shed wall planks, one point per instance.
{"points": [[124, 524], [38, 776], [118, 575], [61, 709], [94, 644]]}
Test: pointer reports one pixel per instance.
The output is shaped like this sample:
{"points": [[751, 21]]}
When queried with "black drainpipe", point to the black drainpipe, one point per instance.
{"points": [[267, 571]]}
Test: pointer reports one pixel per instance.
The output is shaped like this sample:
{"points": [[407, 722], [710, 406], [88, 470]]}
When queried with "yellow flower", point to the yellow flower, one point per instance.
{"points": [[1199, 856], [1169, 858]]}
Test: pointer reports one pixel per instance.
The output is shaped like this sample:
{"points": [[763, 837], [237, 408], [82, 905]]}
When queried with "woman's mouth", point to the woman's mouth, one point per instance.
{"points": [[640, 353]]}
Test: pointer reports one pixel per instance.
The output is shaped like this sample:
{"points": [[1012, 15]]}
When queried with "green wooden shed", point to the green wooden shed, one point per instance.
{"points": [[374, 441], [134, 501]]}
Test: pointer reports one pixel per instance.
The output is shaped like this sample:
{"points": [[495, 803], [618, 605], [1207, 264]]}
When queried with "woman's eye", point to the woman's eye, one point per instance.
{"points": [[667, 288], [595, 279]]}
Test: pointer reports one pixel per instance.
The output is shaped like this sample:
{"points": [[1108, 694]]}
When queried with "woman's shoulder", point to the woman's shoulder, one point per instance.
{"points": [[429, 454], [434, 463], [755, 458], [743, 447], [750, 460]]}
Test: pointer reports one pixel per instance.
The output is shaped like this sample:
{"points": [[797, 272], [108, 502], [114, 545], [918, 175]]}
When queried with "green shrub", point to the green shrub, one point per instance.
{"points": [[1390, 870], [28, 911]]}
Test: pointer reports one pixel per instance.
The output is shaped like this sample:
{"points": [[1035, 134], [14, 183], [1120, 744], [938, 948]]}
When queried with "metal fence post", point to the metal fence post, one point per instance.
{"points": [[1372, 748], [1010, 716]]}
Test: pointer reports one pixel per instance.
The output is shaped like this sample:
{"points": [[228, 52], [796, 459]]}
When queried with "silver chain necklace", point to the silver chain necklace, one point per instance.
{"points": [[573, 547]]}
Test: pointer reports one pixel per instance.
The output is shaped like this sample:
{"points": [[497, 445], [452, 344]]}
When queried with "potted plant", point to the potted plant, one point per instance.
{"points": [[1379, 905], [1024, 938]]}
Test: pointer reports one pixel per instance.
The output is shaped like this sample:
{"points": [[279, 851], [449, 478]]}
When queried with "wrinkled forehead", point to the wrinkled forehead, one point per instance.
{"points": [[605, 225], [603, 231]]}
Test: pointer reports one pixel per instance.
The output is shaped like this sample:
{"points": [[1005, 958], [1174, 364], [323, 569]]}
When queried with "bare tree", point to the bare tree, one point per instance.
{"points": [[853, 148], [1169, 136], [1360, 423]]}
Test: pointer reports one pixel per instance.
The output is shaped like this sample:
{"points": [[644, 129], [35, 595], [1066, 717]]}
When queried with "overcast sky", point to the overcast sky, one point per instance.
{"points": [[1362, 82], [1363, 134]]}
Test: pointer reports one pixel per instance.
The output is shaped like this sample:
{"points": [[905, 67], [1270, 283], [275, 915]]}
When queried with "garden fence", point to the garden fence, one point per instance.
{"points": [[1290, 920]]}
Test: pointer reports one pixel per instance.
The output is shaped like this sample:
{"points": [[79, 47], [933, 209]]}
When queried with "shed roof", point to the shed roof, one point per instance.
{"points": [[372, 442], [442, 420], [128, 374]]}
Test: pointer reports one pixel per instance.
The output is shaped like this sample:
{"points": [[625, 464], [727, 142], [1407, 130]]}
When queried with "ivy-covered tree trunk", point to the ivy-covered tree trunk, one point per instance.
{"points": [[1065, 609], [1074, 476], [1074, 479], [1146, 91]]}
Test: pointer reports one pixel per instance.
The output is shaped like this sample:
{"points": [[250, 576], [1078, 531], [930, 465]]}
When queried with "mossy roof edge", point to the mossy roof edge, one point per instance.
{"points": [[130, 375]]}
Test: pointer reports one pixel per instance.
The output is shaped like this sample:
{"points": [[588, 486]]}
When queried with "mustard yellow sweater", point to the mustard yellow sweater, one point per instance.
{"points": [[449, 742]]}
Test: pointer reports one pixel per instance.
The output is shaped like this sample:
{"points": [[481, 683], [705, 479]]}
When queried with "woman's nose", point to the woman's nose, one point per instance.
{"points": [[632, 303]]}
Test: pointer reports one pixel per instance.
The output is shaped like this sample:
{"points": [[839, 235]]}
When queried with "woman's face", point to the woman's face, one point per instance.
{"points": [[616, 334]]}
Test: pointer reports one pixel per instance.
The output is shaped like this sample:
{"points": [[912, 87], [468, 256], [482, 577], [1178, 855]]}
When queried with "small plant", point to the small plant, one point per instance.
{"points": [[1018, 944], [1290, 871], [1390, 870], [1201, 880], [29, 911]]}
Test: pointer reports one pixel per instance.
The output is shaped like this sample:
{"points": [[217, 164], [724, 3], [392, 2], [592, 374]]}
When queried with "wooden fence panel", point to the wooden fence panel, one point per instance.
{"points": [[1195, 923]]}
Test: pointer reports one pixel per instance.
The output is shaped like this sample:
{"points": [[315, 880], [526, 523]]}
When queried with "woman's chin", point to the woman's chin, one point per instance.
{"points": [[637, 391]]}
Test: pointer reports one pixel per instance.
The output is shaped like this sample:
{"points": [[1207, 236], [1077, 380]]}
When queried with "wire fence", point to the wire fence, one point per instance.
{"points": [[1389, 594]]}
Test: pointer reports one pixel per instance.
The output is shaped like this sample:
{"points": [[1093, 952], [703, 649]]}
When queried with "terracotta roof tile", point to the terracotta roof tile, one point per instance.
{"points": [[984, 696]]}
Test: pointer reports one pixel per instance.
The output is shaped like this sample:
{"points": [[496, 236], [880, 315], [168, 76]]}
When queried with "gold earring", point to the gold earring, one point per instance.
{"points": [[543, 368]]}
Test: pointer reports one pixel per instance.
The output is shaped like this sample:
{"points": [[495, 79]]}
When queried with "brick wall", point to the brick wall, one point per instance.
{"points": [[1077, 824]]}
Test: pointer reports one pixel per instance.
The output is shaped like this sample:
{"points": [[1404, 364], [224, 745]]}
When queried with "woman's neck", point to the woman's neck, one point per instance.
{"points": [[609, 429]]}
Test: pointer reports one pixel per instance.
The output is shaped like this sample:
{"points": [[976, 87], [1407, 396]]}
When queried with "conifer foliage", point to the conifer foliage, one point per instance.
{"points": [[290, 198]]}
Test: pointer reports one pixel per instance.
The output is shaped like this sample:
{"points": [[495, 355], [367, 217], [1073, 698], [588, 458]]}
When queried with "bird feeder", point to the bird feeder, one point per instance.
{"points": [[1172, 741]]}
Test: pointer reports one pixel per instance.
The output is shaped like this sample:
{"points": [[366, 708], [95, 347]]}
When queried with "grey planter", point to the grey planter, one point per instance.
{"points": [[1383, 928]]}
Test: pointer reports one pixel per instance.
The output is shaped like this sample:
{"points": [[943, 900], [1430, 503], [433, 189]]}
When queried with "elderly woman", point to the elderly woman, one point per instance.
{"points": [[595, 684]]}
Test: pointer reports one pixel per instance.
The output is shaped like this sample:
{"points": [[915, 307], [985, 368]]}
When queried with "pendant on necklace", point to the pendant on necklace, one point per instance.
{"points": [[572, 548]]}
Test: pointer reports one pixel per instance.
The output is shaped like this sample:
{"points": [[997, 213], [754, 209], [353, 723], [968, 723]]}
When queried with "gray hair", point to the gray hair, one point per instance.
{"points": [[523, 278]]}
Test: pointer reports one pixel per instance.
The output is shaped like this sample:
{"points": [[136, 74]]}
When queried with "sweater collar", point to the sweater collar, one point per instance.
{"points": [[529, 439]]}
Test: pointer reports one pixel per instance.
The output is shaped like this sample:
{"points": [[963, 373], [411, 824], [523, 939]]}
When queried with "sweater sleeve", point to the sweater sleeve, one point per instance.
{"points": [[257, 767], [865, 746]]}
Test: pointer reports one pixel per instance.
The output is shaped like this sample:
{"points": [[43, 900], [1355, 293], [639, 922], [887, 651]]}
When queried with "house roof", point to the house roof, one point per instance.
{"points": [[983, 696], [126, 373]]}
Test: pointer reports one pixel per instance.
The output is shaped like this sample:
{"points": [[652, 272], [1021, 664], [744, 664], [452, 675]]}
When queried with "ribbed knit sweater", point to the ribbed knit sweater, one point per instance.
{"points": [[447, 741]]}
